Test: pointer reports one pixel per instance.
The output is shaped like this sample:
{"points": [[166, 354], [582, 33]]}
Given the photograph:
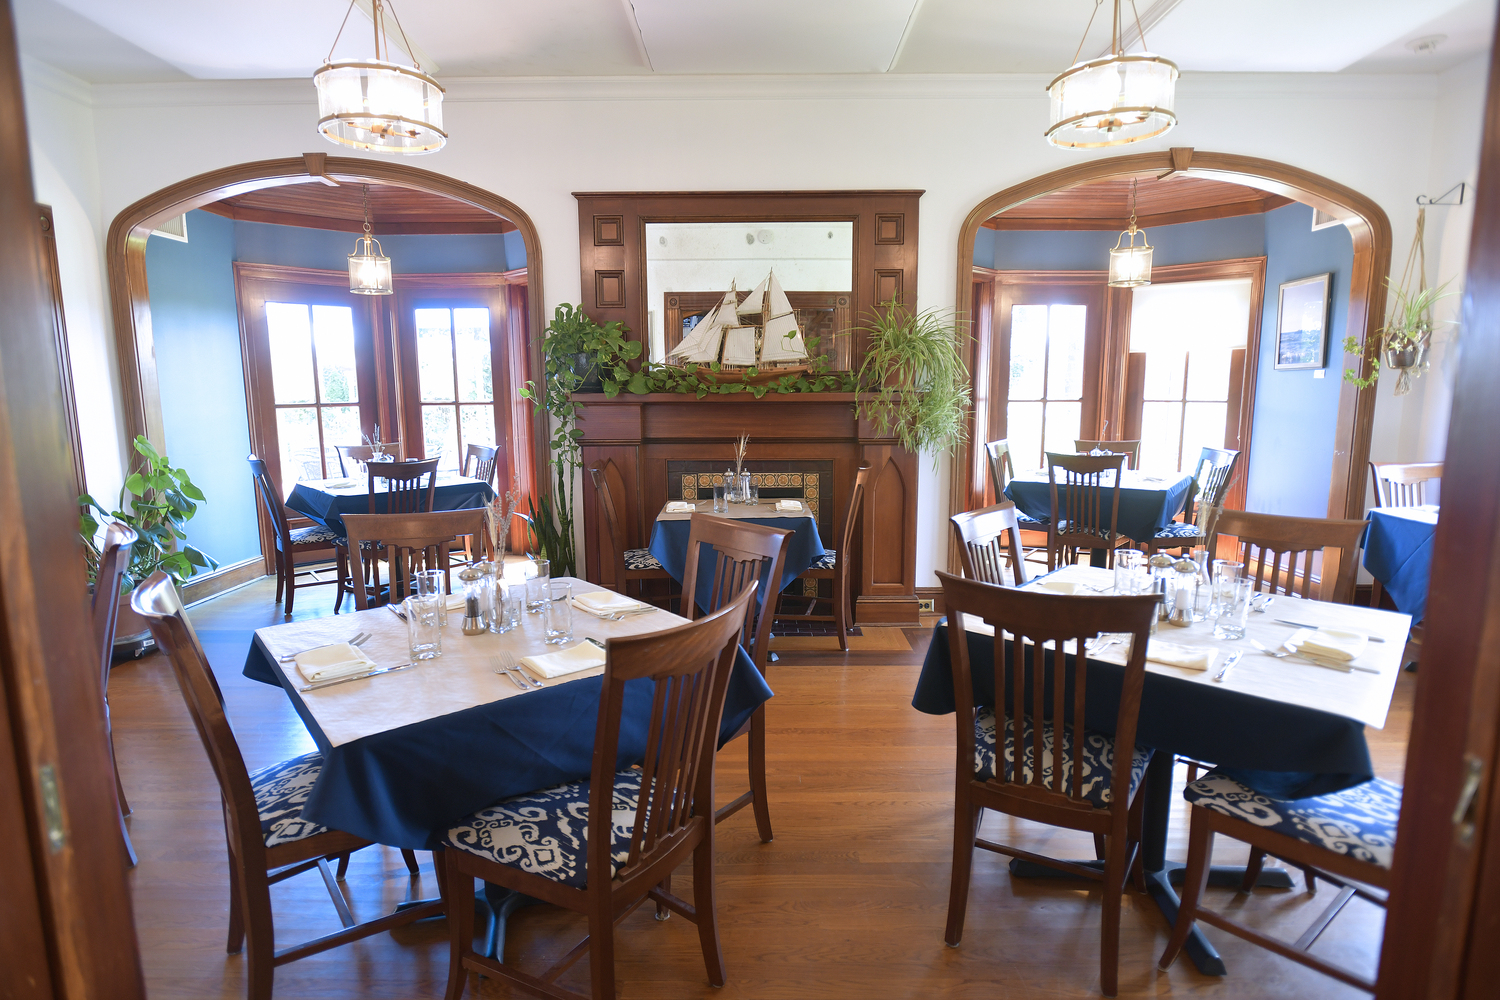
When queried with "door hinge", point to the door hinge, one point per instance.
{"points": [[1463, 812], [57, 835]]}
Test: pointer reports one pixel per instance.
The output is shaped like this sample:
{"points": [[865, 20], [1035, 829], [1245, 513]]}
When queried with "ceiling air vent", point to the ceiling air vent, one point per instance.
{"points": [[173, 229]]}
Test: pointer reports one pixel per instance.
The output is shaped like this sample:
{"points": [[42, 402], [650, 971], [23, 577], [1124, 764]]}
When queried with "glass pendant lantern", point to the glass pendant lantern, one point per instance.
{"points": [[369, 267], [1129, 262], [1114, 99], [377, 104]]}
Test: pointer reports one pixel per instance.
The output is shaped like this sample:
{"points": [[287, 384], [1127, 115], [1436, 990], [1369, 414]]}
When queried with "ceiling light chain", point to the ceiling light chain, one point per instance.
{"points": [[369, 268], [1115, 99], [378, 104], [1130, 265]]}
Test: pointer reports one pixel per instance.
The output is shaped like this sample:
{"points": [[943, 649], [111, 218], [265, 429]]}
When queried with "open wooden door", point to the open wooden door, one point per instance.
{"points": [[66, 928], [1444, 922]]}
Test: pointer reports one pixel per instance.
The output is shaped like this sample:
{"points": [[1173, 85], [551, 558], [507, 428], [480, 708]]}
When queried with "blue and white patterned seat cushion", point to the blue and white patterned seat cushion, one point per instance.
{"points": [[281, 790], [1098, 756], [1178, 529], [1359, 822], [546, 832], [314, 533], [641, 559], [827, 560], [1023, 518]]}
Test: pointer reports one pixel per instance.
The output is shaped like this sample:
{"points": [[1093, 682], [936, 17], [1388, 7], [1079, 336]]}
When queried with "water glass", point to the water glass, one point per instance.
{"points": [[536, 587], [1234, 606], [721, 499], [424, 629], [559, 614], [1129, 571], [1226, 573], [509, 599], [754, 492], [429, 583]]}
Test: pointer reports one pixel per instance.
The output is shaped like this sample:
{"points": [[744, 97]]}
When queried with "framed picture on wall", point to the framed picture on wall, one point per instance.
{"points": [[1302, 323]]}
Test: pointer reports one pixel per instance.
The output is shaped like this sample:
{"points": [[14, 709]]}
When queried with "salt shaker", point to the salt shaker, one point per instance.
{"points": [[1162, 583], [1184, 581]]}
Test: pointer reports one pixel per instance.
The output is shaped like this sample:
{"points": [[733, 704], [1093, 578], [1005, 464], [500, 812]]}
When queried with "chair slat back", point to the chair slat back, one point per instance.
{"points": [[1211, 478], [986, 539], [1403, 484], [1130, 449], [851, 520], [405, 492], [479, 462], [271, 500], [1278, 553], [114, 560], [363, 453], [1085, 501], [613, 535], [744, 553], [690, 666], [1002, 471], [1036, 678], [407, 543], [156, 601]]}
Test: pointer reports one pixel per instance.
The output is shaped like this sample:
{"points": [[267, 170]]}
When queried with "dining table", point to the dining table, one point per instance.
{"points": [[669, 539], [1287, 727], [1148, 500], [326, 501], [1398, 553]]}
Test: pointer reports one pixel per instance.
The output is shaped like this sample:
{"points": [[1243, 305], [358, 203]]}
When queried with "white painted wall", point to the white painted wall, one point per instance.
{"points": [[960, 138]]}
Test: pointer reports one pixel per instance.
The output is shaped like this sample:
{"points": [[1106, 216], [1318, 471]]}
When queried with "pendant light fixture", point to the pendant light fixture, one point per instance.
{"points": [[1129, 264], [378, 104], [1114, 99], [369, 268]]}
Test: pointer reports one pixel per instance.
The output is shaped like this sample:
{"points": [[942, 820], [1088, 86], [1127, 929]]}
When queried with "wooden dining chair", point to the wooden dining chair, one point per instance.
{"points": [[987, 540], [114, 560], [1002, 471], [290, 543], [742, 552], [1211, 478], [406, 543], [479, 463], [1086, 513], [1279, 553], [1346, 838], [269, 840], [1131, 449], [630, 565], [834, 565], [594, 846], [1403, 484], [1068, 776], [409, 486], [363, 453]]}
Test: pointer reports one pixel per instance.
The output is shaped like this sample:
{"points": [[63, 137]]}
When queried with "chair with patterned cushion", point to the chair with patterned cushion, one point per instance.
{"points": [[1085, 506], [290, 543], [1130, 449], [114, 560], [831, 566], [1214, 472], [593, 846], [629, 564], [1068, 776], [269, 839], [1279, 553], [987, 540], [1346, 838], [1002, 471]]}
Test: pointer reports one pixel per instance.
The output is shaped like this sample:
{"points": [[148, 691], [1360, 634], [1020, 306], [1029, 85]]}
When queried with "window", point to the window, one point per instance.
{"points": [[315, 389], [455, 381], [1044, 410]]}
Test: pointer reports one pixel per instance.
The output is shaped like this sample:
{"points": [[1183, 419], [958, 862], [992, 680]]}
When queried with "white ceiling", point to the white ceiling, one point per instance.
{"points": [[107, 41]]}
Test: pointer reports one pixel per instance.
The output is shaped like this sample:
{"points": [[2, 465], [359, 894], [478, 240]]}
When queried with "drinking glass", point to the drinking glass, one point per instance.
{"points": [[721, 499], [536, 587], [1226, 572], [424, 629], [1233, 609], [429, 583], [559, 614], [754, 494], [1129, 564]]}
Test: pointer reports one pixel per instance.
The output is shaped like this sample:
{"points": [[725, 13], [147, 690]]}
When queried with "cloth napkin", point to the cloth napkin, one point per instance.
{"points": [[1062, 586], [788, 504], [1329, 643], [337, 660], [584, 656], [1186, 657], [454, 602], [342, 484], [606, 602], [680, 507]]}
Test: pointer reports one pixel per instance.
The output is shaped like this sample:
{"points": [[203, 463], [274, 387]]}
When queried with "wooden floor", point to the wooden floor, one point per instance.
{"points": [[849, 901]]}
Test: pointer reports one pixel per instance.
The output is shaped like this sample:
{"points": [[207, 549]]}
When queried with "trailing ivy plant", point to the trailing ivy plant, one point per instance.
{"points": [[915, 378]]}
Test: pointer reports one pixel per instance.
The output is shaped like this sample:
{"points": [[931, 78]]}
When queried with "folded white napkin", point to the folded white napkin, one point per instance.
{"points": [[680, 507], [1329, 643], [342, 484], [1186, 657], [337, 660], [454, 602], [788, 504], [1062, 586], [584, 656], [606, 602]]}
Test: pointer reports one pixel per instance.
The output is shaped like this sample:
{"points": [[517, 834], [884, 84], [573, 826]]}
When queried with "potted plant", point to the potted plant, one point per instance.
{"points": [[162, 500], [914, 379], [1404, 339]]}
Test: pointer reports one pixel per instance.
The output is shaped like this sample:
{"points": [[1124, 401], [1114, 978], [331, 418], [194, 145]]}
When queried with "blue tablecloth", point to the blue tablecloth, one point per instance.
{"points": [[328, 507], [669, 544], [1398, 553], [1147, 503], [403, 787]]}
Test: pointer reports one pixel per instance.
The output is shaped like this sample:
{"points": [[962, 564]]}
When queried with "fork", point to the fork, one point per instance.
{"points": [[1285, 651], [359, 638], [510, 668]]}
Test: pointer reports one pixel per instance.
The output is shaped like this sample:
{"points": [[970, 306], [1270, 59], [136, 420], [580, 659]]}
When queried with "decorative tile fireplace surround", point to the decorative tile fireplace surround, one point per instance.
{"points": [[650, 446]]}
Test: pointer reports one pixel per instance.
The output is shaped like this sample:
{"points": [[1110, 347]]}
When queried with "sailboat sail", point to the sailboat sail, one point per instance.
{"points": [[701, 345], [739, 345], [782, 340], [755, 303]]}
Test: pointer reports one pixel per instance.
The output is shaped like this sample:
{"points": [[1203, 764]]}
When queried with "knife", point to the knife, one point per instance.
{"points": [[396, 611], [1283, 621], [353, 677], [1224, 670]]}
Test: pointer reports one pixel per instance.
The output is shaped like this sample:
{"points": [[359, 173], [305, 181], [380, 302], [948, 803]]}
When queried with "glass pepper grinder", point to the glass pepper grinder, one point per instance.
{"points": [[1161, 584], [472, 582], [1203, 587], [731, 486], [1184, 581]]}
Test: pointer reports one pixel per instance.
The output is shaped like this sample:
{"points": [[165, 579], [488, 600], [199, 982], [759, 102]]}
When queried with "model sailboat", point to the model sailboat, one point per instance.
{"points": [[759, 333]]}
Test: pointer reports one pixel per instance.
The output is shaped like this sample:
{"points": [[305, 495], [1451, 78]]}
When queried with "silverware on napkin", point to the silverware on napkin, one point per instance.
{"points": [[1283, 621], [354, 677], [1339, 665], [360, 638]]}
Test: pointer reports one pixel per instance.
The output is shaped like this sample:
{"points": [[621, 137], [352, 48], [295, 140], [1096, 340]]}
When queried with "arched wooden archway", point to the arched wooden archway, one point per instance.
{"points": [[126, 253], [1368, 226]]}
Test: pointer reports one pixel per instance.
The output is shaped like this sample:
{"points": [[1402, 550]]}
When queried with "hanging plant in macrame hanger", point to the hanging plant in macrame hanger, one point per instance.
{"points": [[1407, 334]]}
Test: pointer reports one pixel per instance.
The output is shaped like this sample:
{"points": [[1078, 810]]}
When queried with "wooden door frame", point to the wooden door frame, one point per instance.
{"points": [[125, 252], [1369, 229]]}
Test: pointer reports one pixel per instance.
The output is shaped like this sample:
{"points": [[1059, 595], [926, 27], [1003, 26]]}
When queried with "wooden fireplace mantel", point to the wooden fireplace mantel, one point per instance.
{"points": [[631, 438]]}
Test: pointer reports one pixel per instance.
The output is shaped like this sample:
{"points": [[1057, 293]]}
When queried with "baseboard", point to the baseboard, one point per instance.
{"points": [[897, 611], [935, 595], [201, 588]]}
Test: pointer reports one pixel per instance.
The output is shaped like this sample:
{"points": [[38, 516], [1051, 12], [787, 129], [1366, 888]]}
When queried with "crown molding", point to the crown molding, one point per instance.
{"points": [[39, 76]]}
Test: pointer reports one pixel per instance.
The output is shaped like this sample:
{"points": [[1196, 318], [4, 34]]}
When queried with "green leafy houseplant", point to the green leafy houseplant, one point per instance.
{"points": [[162, 500], [1404, 338], [915, 379]]}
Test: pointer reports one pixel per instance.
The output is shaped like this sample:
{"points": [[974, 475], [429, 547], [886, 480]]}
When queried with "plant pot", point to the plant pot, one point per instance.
{"points": [[584, 365], [1410, 356]]}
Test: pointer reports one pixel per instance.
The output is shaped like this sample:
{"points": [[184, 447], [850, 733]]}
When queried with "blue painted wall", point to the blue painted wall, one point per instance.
{"points": [[1186, 243], [261, 243], [196, 328]]}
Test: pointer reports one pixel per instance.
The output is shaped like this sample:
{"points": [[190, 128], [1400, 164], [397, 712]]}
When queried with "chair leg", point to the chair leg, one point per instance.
{"points": [[342, 569], [965, 828], [758, 775], [703, 902], [410, 857], [662, 913], [460, 889], [1100, 850], [1118, 849], [236, 912], [291, 583], [841, 614], [1200, 849], [260, 938], [1252, 869], [1375, 591], [602, 949], [280, 575], [343, 869]]}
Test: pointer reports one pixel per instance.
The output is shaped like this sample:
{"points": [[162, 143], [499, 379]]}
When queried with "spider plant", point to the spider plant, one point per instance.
{"points": [[914, 381]]}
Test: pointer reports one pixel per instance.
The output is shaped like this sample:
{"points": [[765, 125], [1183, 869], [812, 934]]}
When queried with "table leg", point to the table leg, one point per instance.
{"points": [[500, 903]]}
